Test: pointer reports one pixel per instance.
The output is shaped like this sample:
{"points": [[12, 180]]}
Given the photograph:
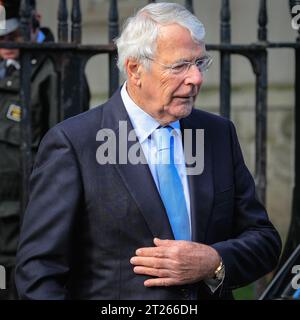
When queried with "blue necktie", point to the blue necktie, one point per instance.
{"points": [[170, 186]]}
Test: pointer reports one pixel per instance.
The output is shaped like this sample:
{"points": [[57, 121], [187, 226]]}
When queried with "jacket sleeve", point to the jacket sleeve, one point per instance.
{"points": [[255, 247], [43, 256]]}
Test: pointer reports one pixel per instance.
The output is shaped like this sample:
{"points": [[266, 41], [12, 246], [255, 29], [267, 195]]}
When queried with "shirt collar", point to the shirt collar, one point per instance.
{"points": [[142, 122], [14, 63]]}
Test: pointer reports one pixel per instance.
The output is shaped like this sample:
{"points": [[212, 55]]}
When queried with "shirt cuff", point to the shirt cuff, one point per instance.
{"points": [[214, 284]]}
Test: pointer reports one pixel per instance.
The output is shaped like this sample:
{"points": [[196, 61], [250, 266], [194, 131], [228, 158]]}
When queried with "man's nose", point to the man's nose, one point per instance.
{"points": [[194, 76]]}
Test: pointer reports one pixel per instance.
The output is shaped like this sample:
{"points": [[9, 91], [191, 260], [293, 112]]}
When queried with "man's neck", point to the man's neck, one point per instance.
{"points": [[132, 92]]}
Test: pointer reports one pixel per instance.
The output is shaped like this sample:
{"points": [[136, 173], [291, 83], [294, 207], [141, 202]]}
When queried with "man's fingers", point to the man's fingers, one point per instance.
{"points": [[150, 262], [165, 243], [170, 243], [151, 271], [160, 249], [159, 282], [152, 252]]}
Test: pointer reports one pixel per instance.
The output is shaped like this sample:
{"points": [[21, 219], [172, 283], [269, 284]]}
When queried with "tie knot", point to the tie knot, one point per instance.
{"points": [[163, 138]]}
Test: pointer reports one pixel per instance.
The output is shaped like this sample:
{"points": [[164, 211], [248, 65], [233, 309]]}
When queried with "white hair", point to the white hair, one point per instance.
{"points": [[140, 32]]}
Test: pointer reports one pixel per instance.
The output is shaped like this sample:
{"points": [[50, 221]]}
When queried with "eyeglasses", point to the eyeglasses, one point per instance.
{"points": [[180, 68]]}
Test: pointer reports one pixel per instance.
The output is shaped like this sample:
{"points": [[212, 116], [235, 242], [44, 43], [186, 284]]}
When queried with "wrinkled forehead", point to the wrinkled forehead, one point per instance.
{"points": [[175, 40]]}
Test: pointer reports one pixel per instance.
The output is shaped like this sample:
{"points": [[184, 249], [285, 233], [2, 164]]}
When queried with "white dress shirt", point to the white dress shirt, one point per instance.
{"points": [[144, 125]]}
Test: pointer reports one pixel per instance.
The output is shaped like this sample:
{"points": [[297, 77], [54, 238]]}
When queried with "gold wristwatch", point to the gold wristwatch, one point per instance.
{"points": [[220, 271]]}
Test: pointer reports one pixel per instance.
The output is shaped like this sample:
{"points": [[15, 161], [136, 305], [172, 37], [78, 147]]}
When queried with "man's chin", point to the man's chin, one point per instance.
{"points": [[174, 113], [183, 111], [10, 55]]}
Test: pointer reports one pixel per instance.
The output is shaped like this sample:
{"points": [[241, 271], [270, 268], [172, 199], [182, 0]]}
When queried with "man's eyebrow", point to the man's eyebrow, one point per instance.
{"points": [[180, 60]]}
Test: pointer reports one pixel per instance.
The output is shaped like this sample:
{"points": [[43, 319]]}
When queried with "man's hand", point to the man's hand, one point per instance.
{"points": [[175, 262]]}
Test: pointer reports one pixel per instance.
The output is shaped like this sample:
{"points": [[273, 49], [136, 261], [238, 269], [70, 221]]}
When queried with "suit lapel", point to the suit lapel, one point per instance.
{"points": [[200, 186], [137, 177]]}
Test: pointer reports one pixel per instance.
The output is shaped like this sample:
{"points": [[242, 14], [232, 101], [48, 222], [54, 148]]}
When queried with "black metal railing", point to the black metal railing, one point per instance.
{"points": [[293, 238], [70, 58]]}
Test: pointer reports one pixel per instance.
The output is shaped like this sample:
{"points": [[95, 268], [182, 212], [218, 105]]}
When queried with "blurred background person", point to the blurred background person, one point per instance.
{"points": [[44, 114]]}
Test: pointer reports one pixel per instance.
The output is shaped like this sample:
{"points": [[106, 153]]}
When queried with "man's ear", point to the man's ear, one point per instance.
{"points": [[133, 68]]}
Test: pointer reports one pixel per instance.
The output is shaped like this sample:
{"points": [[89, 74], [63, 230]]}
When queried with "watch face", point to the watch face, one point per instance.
{"points": [[221, 273]]}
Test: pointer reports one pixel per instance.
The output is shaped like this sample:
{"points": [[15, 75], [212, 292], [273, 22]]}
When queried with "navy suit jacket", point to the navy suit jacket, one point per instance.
{"points": [[84, 221]]}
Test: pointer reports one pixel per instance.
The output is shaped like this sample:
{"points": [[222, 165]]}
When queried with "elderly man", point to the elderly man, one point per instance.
{"points": [[101, 225]]}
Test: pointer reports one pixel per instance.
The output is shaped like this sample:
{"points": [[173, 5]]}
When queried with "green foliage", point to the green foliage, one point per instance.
{"points": [[244, 293]]}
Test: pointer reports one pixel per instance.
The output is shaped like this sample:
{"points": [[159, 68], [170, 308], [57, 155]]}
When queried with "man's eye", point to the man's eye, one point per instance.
{"points": [[200, 62], [179, 67]]}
